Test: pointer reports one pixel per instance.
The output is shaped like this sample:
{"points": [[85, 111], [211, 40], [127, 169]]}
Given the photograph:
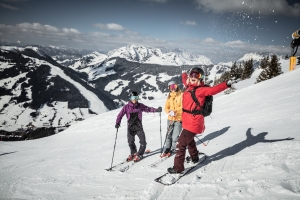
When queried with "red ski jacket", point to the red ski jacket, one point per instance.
{"points": [[190, 122]]}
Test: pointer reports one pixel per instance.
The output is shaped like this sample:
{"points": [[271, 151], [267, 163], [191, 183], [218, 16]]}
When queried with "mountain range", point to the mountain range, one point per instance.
{"points": [[57, 86]]}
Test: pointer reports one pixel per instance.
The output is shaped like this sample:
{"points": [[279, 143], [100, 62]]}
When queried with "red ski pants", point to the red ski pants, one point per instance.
{"points": [[185, 140]]}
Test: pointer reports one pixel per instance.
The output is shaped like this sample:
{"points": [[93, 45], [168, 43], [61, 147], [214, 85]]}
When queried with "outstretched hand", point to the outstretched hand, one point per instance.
{"points": [[159, 109], [117, 126], [232, 81]]}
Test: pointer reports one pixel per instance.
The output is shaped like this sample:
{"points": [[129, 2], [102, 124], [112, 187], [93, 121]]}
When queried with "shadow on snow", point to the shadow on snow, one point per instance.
{"points": [[250, 141]]}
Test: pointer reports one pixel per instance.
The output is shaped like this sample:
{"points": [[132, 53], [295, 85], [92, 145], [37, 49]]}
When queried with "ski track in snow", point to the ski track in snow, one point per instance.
{"points": [[251, 153]]}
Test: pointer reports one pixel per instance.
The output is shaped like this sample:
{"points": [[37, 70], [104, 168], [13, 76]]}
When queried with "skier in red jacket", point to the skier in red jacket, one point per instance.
{"points": [[193, 124]]}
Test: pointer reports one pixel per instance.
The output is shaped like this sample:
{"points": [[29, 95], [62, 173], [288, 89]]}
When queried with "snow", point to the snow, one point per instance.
{"points": [[8, 83], [16, 116], [150, 55], [116, 86], [252, 144], [5, 65], [95, 104], [164, 77]]}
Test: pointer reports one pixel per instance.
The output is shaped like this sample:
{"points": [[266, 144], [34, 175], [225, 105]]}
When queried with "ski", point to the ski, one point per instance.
{"points": [[116, 165], [160, 160], [170, 179], [119, 166]]}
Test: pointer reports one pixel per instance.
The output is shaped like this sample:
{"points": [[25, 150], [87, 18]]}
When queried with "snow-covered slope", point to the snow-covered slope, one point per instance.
{"points": [[252, 146], [37, 90], [94, 64]]}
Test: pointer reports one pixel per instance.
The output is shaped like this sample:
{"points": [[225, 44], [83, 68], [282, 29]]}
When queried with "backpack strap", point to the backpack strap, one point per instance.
{"points": [[194, 111], [194, 97]]}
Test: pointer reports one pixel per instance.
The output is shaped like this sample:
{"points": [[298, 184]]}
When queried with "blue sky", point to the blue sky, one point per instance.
{"points": [[221, 30]]}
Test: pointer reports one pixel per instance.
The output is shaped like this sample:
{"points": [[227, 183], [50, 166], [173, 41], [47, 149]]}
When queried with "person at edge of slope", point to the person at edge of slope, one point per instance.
{"points": [[133, 111], [193, 123], [173, 107]]}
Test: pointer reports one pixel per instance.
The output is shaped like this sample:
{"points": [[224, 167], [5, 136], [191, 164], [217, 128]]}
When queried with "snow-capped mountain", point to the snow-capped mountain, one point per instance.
{"points": [[150, 55], [95, 65], [218, 69], [33, 83], [256, 56], [36, 89]]}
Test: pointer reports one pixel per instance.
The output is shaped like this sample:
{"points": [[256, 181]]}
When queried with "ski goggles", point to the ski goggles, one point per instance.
{"points": [[195, 74], [173, 87], [134, 98]]}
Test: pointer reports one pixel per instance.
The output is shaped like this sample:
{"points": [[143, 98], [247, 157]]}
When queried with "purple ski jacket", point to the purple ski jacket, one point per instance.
{"points": [[132, 108]]}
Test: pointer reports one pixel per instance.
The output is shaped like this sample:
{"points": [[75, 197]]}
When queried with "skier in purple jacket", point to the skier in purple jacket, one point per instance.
{"points": [[133, 111]]}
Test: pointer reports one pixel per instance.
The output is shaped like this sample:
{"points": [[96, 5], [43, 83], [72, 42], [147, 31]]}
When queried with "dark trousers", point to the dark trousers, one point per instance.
{"points": [[131, 141], [185, 140]]}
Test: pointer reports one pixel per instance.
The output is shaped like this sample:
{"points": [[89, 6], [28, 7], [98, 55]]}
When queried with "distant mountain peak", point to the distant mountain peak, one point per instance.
{"points": [[151, 55]]}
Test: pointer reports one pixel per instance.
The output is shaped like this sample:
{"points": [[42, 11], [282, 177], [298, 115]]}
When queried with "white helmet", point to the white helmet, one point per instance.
{"points": [[171, 83]]}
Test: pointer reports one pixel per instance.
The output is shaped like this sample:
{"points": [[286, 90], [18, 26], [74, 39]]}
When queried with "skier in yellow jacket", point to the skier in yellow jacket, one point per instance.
{"points": [[173, 108]]}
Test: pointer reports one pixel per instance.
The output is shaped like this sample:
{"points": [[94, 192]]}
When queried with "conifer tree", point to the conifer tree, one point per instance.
{"points": [[240, 71], [271, 71], [224, 77], [275, 68], [247, 69], [234, 71], [264, 75], [264, 63]]}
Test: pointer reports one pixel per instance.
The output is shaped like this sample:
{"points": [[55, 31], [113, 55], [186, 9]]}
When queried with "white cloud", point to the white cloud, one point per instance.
{"points": [[110, 26], [70, 30], [191, 23], [3, 5], [210, 40], [217, 51], [266, 7], [235, 43]]}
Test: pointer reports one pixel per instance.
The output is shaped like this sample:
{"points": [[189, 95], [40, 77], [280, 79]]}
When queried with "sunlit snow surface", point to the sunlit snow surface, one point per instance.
{"points": [[252, 142]]}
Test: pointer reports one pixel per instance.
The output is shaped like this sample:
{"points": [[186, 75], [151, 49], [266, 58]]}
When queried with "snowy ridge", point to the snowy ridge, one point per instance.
{"points": [[252, 142], [255, 56], [21, 102], [150, 55]]}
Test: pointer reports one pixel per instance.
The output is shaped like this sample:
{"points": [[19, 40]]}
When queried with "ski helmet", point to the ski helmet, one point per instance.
{"points": [[171, 83], [197, 70], [133, 93]]}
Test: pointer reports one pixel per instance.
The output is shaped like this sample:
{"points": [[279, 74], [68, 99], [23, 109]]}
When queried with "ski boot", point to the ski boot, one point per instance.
{"points": [[193, 160], [171, 170], [137, 158], [130, 157], [167, 153]]}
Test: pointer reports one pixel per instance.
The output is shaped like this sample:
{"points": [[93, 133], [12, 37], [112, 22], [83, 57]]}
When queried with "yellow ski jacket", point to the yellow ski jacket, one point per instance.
{"points": [[174, 103]]}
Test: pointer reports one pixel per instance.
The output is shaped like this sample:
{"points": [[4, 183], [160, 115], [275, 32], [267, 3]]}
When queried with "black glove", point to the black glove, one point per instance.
{"points": [[232, 81], [117, 126], [159, 109]]}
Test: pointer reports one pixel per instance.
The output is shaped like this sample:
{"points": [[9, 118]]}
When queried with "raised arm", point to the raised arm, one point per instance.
{"points": [[184, 77], [209, 91]]}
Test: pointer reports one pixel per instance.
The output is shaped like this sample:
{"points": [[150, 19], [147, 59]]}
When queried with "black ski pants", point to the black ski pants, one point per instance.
{"points": [[131, 141]]}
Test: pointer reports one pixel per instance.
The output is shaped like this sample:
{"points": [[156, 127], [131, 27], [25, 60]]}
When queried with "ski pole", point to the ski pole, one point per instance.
{"points": [[167, 135], [160, 129], [114, 150], [201, 141]]}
